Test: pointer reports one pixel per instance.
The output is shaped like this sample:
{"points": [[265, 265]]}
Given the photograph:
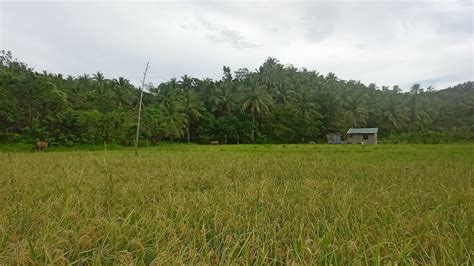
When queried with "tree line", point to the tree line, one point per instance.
{"points": [[275, 103]]}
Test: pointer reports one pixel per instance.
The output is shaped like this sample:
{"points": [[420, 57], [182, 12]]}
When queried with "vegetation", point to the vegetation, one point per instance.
{"points": [[315, 204], [273, 104], [190, 204]]}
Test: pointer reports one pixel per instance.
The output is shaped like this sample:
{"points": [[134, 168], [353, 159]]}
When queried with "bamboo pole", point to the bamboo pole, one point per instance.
{"points": [[140, 107]]}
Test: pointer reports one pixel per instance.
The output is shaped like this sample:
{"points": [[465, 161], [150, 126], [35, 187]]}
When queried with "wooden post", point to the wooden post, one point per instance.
{"points": [[140, 107]]}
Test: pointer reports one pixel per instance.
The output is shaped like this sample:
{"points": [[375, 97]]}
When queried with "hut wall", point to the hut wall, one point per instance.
{"points": [[355, 138], [372, 139], [358, 138]]}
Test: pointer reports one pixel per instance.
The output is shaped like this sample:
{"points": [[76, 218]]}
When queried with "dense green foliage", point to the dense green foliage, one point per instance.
{"points": [[273, 104], [239, 204]]}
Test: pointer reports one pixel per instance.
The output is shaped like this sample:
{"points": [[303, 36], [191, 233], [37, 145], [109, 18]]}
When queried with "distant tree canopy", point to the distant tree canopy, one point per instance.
{"points": [[273, 104]]}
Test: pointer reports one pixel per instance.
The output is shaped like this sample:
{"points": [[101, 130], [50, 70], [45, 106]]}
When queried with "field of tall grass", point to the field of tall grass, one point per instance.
{"points": [[263, 204]]}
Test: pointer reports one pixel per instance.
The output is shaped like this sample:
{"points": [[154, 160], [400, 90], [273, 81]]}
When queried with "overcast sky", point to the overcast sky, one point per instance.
{"points": [[385, 42]]}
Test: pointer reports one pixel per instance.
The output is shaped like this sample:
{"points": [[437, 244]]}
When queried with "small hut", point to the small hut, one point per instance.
{"points": [[362, 135]]}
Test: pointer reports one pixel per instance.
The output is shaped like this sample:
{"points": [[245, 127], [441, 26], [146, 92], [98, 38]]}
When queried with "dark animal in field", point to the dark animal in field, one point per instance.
{"points": [[41, 146], [214, 142]]}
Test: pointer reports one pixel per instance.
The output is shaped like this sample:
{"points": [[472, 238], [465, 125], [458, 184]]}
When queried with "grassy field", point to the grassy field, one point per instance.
{"points": [[241, 204]]}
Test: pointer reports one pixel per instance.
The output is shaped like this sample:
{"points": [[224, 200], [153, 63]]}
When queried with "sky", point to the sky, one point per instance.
{"points": [[383, 42]]}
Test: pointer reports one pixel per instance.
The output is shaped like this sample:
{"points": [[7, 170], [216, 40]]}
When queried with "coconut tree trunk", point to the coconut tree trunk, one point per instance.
{"points": [[253, 127], [30, 116], [188, 134]]}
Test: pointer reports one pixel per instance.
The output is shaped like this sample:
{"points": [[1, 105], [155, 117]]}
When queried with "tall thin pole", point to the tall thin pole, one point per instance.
{"points": [[140, 107]]}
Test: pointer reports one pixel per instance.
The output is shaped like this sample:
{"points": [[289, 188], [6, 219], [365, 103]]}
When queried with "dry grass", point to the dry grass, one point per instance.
{"points": [[239, 204]]}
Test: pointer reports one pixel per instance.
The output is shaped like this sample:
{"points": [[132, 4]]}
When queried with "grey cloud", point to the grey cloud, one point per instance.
{"points": [[318, 31], [435, 80], [466, 3], [224, 35], [319, 20], [362, 46], [232, 37], [448, 24], [188, 26], [386, 42]]}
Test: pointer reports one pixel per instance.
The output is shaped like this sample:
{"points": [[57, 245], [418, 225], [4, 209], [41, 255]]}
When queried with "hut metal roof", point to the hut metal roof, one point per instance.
{"points": [[372, 130]]}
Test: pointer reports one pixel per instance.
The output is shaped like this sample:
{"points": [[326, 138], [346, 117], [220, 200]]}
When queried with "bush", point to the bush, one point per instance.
{"points": [[429, 137], [9, 137]]}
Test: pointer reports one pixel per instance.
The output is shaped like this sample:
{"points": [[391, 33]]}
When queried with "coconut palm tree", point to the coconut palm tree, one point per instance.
{"points": [[418, 116], [223, 99], [255, 98], [175, 120], [193, 107], [394, 115], [186, 82], [99, 77], [167, 92], [121, 88], [306, 113], [355, 110], [269, 71], [305, 105], [282, 93]]}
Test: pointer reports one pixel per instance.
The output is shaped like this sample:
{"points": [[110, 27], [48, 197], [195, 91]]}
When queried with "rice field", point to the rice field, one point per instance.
{"points": [[239, 204]]}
